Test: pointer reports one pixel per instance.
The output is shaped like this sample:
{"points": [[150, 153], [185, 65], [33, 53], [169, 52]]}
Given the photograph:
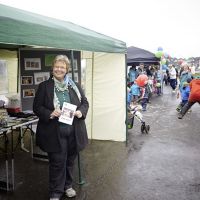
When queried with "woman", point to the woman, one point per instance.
{"points": [[61, 141]]}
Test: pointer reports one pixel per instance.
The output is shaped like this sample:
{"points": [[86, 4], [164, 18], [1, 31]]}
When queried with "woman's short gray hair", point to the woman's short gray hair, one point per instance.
{"points": [[62, 58]]}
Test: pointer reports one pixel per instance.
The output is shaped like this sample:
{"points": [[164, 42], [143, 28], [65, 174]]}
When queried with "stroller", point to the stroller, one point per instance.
{"points": [[134, 112]]}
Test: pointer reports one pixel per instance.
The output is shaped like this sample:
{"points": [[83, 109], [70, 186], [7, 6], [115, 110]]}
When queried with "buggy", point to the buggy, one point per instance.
{"points": [[134, 112]]}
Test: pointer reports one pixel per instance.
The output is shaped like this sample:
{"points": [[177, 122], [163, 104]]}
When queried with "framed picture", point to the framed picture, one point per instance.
{"points": [[32, 63], [40, 77], [26, 80], [28, 93]]}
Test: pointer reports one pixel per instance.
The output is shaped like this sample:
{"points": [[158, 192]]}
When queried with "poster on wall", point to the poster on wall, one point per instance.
{"points": [[3, 77], [40, 77], [49, 59], [32, 63]]}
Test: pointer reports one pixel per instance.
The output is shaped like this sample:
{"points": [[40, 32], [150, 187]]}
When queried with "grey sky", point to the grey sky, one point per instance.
{"points": [[171, 24]]}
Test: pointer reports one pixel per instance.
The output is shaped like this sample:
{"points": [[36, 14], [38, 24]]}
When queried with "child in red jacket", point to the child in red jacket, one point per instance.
{"points": [[193, 97]]}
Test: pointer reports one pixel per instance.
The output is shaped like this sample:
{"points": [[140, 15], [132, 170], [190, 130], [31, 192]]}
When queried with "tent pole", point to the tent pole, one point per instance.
{"points": [[18, 68], [126, 100], [92, 104], [72, 63]]}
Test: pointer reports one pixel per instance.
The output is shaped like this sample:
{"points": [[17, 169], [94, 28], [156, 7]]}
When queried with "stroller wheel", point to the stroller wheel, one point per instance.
{"points": [[143, 128], [147, 128]]}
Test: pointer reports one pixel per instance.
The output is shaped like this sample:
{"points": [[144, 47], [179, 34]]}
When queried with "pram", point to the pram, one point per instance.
{"points": [[134, 112]]}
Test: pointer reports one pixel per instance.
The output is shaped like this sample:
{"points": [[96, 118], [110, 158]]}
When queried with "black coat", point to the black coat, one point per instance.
{"points": [[47, 133]]}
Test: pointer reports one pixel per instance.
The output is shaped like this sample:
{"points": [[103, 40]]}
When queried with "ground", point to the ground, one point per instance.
{"points": [[163, 165]]}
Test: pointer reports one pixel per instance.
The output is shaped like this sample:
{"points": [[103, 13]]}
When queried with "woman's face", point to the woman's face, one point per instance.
{"points": [[185, 68], [59, 70]]}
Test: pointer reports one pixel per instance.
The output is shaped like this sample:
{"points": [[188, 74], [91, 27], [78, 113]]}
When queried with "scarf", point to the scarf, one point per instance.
{"points": [[63, 86], [70, 82]]}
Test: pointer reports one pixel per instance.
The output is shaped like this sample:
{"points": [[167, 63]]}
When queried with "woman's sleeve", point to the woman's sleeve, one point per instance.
{"points": [[39, 104], [84, 106]]}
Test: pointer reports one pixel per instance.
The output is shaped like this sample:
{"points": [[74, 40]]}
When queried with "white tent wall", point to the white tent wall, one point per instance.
{"points": [[105, 90], [88, 56], [106, 94], [12, 67]]}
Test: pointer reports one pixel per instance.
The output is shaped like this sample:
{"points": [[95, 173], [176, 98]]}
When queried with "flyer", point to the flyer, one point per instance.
{"points": [[67, 113]]}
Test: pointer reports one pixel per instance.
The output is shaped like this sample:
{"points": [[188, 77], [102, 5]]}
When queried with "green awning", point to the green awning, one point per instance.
{"points": [[22, 28]]}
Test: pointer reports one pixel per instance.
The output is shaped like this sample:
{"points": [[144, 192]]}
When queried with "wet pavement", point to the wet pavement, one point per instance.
{"points": [[163, 165]]}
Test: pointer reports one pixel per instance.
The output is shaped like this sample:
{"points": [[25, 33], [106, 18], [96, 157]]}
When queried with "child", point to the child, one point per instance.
{"points": [[158, 82], [185, 92], [144, 97], [193, 97], [134, 92]]}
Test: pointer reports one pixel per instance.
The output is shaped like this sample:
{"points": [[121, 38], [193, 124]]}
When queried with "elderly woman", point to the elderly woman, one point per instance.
{"points": [[61, 141]]}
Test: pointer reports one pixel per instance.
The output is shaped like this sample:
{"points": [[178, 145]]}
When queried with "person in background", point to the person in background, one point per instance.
{"points": [[148, 71], [193, 97], [158, 81], [144, 97], [141, 69], [185, 74], [172, 74], [134, 93], [192, 69], [184, 77], [133, 74], [61, 141], [185, 92]]}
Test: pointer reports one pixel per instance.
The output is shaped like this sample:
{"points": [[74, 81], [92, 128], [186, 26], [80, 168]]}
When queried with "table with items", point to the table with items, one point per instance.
{"points": [[14, 125]]}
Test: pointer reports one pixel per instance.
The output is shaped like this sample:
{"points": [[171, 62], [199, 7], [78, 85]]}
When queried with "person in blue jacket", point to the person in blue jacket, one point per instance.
{"points": [[185, 92], [134, 93], [133, 74]]}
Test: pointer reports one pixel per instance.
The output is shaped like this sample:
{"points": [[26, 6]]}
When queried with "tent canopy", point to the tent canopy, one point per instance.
{"points": [[136, 55], [19, 28], [104, 70]]}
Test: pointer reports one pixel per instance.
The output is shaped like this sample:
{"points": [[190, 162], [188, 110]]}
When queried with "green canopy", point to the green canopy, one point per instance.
{"points": [[21, 28]]}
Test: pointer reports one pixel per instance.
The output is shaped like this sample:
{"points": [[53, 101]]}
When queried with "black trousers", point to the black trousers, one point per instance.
{"points": [[61, 163], [187, 106], [173, 83]]}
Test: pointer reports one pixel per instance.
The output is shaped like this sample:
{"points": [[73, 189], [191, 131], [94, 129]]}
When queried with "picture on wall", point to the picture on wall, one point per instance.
{"points": [[40, 77], [28, 93], [26, 80], [32, 63]]}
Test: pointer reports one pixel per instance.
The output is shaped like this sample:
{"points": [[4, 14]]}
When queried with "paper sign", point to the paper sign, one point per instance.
{"points": [[67, 114]]}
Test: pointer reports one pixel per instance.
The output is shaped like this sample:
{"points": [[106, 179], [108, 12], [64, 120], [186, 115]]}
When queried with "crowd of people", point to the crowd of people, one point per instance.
{"points": [[189, 89], [183, 81], [141, 93]]}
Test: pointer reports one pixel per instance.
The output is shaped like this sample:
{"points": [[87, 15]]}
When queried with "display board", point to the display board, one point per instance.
{"points": [[36, 67]]}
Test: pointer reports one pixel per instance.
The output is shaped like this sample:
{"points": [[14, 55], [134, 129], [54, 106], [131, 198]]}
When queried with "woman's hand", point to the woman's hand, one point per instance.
{"points": [[55, 113], [78, 114]]}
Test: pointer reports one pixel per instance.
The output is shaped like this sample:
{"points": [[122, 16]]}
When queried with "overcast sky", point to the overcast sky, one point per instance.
{"points": [[172, 24]]}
